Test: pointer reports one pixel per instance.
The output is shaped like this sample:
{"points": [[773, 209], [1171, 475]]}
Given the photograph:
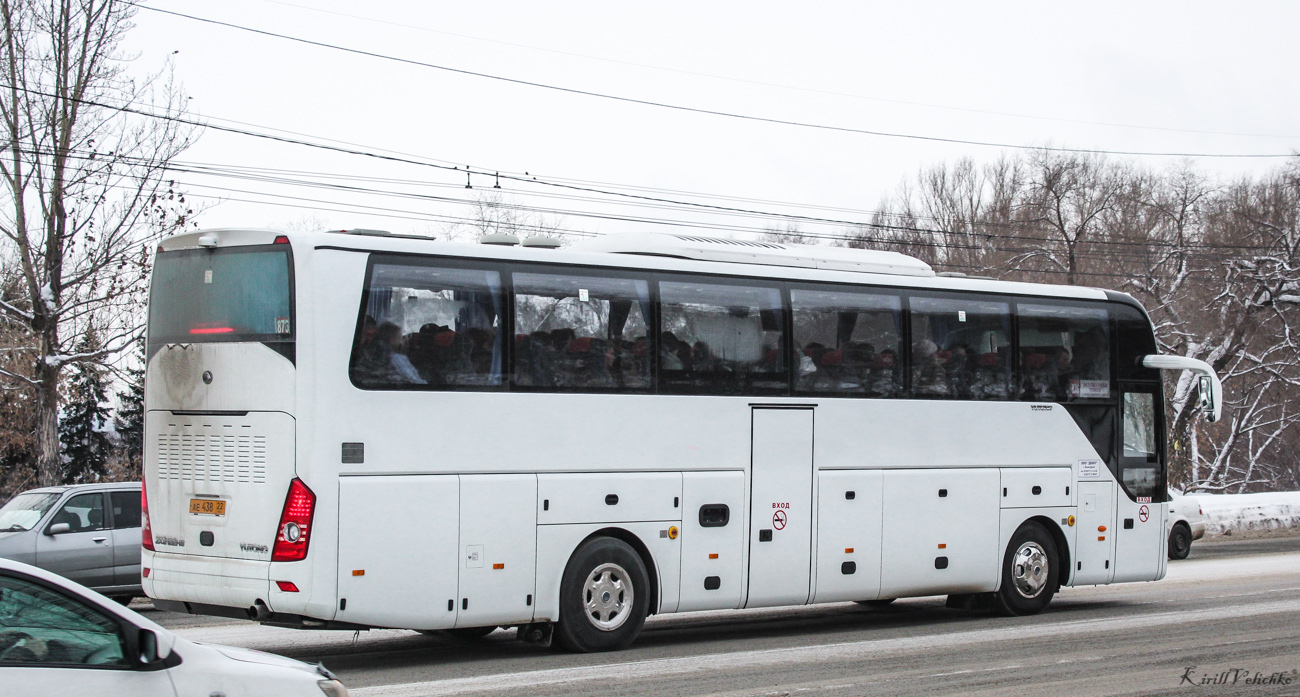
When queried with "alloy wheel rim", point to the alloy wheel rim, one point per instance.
{"points": [[608, 597]]}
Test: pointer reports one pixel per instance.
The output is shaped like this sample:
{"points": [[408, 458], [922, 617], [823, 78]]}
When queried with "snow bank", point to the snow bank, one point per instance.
{"points": [[1237, 512]]}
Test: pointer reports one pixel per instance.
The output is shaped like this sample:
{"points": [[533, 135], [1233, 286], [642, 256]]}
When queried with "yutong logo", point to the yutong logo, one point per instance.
{"points": [[168, 541], [253, 549]]}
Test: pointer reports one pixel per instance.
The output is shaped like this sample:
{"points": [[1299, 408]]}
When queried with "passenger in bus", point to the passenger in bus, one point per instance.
{"points": [[1091, 356], [928, 375], [670, 352], [382, 361]]}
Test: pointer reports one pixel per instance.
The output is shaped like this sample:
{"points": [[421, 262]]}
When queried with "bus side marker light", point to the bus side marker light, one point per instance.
{"points": [[498, 566], [358, 572], [287, 586], [943, 546], [1070, 520], [672, 533], [713, 555], [1101, 538], [1101, 528], [848, 550]]}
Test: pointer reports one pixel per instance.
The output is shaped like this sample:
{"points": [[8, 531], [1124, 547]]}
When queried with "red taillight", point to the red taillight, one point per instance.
{"points": [[282, 239], [287, 586], [293, 535], [212, 330], [146, 530]]}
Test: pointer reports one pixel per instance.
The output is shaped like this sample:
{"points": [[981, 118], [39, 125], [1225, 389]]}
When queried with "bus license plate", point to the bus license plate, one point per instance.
{"points": [[207, 507]]}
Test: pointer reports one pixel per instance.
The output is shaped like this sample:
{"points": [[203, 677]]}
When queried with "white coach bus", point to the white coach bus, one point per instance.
{"points": [[356, 429]]}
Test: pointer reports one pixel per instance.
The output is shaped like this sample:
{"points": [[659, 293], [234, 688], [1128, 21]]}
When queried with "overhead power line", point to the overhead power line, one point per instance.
{"points": [[695, 110]]}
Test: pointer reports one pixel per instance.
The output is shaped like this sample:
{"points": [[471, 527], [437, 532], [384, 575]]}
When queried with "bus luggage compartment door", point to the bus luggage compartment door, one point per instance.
{"points": [[780, 530], [498, 546], [397, 550]]}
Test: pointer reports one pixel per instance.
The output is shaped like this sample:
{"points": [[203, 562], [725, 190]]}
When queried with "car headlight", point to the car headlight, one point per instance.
{"points": [[332, 688]]}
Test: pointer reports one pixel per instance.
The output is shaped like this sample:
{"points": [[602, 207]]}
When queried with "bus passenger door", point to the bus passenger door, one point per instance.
{"points": [[1093, 561], [781, 517], [1140, 552]]}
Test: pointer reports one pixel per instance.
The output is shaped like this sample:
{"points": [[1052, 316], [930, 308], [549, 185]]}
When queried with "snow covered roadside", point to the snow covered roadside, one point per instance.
{"points": [[1241, 512]]}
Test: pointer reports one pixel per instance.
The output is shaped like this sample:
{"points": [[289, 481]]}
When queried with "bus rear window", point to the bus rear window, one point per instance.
{"points": [[232, 294]]}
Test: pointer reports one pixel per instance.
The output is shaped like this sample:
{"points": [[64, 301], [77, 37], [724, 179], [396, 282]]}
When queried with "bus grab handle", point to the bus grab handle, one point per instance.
{"points": [[1210, 387]]}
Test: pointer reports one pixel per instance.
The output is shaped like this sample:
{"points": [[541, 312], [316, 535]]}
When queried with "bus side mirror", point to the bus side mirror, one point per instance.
{"points": [[1206, 390], [1207, 383]]}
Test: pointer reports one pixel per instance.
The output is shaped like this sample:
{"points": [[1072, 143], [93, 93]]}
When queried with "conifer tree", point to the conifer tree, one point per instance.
{"points": [[83, 439]]}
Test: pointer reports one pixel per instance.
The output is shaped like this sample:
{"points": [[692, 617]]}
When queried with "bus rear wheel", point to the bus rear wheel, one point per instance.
{"points": [[604, 597], [1030, 576]]}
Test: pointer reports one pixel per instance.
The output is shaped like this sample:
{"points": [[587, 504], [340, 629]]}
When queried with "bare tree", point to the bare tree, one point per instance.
{"points": [[85, 189]]}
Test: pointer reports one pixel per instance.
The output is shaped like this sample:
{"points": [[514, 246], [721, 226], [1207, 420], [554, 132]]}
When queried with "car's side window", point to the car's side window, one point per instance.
{"points": [[126, 509], [39, 626], [82, 513]]}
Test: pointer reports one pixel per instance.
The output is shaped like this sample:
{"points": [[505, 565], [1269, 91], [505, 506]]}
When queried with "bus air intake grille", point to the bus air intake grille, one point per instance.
{"points": [[212, 457]]}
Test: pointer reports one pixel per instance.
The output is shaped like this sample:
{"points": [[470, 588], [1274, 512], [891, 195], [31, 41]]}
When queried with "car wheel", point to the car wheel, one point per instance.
{"points": [[1180, 541], [1029, 572], [604, 597]]}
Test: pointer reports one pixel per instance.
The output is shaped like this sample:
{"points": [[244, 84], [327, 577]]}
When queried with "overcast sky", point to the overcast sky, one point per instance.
{"points": [[1179, 77]]}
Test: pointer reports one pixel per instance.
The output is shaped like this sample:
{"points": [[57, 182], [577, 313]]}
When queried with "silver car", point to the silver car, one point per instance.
{"points": [[89, 533]]}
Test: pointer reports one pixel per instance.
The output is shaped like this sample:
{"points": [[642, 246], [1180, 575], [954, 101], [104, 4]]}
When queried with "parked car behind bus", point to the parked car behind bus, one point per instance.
{"points": [[1186, 523], [89, 533]]}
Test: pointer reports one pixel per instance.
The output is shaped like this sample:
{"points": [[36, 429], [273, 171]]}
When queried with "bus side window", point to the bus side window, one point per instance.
{"points": [[1141, 473], [717, 338], [961, 348], [428, 326], [1064, 353], [581, 332], [847, 342]]}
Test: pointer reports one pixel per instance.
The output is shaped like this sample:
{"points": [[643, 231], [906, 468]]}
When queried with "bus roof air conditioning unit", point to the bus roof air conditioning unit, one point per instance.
{"points": [[499, 239], [751, 252]]}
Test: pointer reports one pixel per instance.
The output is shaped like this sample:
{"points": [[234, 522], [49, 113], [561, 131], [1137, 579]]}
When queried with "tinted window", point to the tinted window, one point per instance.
{"points": [[1134, 339], [41, 627], [581, 332], [960, 348], [82, 513], [847, 342], [232, 294], [429, 325], [1064, 353], [720, 339], [126, 509]]}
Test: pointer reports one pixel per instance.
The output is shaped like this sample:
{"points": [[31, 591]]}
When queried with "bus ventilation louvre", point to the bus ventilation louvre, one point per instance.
{"points": [[295, 524]]}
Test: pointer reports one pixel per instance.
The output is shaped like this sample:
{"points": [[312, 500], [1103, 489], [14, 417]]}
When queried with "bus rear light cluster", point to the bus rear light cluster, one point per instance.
{"points": [[146, 530], [294, 532]]}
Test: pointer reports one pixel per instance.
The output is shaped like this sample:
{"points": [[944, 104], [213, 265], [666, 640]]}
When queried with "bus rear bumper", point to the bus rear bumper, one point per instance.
{"points": [[206, 581]]}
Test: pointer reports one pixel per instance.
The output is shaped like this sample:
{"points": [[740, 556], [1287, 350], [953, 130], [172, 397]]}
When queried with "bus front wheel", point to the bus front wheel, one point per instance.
{"points": [[604, 597], [1030, 576]]}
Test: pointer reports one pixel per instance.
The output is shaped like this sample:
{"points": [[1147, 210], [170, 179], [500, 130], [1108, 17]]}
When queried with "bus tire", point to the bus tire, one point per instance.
{"points": [[1180, 541], [1030, 576], [604, 597]]}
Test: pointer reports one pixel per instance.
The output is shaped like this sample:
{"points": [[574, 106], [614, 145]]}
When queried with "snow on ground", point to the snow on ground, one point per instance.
{"points": [[1239, 512]]}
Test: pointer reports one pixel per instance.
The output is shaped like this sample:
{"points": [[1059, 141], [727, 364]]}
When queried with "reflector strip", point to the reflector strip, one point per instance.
{"points": [[212, 330], [287, 586]]}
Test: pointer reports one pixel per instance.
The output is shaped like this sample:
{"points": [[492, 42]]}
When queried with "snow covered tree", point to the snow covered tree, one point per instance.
{"points": [[84, 151], [129, 420]]}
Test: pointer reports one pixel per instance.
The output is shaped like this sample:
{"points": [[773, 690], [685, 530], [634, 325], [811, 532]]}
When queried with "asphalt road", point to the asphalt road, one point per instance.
{"points": [[1233, 606]]}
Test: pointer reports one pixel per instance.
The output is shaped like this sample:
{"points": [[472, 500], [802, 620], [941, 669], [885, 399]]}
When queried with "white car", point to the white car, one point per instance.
{"points": [[1186, 523], [58, 637]]}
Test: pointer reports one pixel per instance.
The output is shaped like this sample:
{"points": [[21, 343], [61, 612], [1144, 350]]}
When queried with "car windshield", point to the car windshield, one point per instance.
{"points": [[25, 510]]}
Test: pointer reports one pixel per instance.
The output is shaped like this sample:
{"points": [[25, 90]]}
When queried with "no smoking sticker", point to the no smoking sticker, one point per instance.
{"points": [[778, 520], [1144, 513]]}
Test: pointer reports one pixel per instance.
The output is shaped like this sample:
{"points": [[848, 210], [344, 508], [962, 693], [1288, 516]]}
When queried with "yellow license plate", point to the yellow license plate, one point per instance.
{"points": [[207, 507]]}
